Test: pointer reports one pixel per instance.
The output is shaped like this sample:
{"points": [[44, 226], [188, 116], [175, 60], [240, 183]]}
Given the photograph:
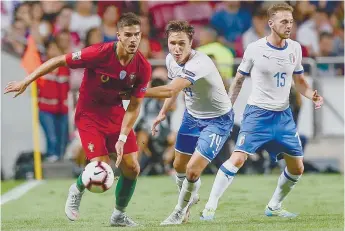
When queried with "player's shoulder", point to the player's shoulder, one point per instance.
{"points": [[257, 45], [199, 59], [142, 60], [293, 43]]}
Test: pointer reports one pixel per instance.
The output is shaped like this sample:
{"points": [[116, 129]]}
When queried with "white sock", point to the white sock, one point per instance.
{"points": [[188, 191], [179, 180], [225, 175], [286, 182]]}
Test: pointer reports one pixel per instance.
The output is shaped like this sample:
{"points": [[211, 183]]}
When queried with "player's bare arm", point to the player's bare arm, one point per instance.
{"points": [[45, 68], [169, 90], [128, 121], [303, 87], [236, 87]]}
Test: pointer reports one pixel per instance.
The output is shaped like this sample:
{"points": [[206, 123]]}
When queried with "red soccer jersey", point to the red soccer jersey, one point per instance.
{"points": [[105, 77]]}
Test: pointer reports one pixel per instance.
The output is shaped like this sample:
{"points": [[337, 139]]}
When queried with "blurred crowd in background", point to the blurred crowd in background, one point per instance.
{"points": [[45, 29]]}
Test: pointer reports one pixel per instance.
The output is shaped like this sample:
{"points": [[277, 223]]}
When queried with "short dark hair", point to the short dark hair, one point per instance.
{"points": [[325, 35], [180, 26], [272, 10], [128, 19]]}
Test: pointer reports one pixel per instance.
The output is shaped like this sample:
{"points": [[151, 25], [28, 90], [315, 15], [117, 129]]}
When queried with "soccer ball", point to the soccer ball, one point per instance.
{"points": [[98, 177]]}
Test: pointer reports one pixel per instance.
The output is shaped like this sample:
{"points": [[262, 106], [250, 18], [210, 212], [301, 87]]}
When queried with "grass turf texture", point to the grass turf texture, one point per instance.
{"points": [[319, 199], [8, 185]]}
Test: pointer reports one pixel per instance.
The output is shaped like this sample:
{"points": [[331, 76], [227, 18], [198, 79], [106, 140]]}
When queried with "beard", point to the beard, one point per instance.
{"points": [[281, 35]]}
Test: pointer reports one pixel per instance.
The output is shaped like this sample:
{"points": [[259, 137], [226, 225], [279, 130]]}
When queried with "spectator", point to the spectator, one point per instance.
{"points": [[62, 24], [231, 22], [110, 18], [222, 55], [308, 32], [150, 47], [51, 9], [52, 104], [14, 40], [326, 49], [83, 19], [93, 36], [257, 30]]}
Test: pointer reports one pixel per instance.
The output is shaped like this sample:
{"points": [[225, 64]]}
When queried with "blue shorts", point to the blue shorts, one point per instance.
{"points": [[274, 131], [207, 136]]}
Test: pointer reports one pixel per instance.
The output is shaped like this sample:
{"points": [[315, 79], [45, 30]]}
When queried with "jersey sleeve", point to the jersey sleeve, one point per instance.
{"points": [[196, 69], [88, 57], [247, 61], [140, 86], [167, 64], [299, 68]]}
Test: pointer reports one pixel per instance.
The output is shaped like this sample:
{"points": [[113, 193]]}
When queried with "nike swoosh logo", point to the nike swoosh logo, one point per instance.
{"points": [[265, 57], [96, 173]]}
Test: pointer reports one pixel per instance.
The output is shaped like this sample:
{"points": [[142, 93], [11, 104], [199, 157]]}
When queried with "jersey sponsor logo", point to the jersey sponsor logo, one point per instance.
{"points": [[123, 74], [104, 78], [191, 74], [292, 58], [91, 147], [76, 55]]}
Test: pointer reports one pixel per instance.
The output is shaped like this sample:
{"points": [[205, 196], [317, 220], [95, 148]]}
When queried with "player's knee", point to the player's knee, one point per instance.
{"points": [[298, 170], [134, 169], [192, 172], [179, 166], [238, 159]]}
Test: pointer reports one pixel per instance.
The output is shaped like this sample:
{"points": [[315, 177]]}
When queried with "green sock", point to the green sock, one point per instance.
{"points": [[80, 184], [124, 192]]}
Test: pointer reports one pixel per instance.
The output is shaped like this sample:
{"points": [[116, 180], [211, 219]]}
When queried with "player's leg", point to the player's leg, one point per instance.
{"points": [[186, 140], [287, 137], [286, 182], [254, 132], [125, 187], [94, 146], [212, 138]]}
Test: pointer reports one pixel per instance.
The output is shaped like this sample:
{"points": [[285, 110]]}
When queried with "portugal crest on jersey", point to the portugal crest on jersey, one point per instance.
{"points": [[123, 74], [292, 58]]}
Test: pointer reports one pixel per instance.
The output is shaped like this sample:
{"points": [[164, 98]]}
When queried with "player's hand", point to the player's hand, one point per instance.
{"points": [[16, 86], [158, 119], [317, 100], [119, 151]]}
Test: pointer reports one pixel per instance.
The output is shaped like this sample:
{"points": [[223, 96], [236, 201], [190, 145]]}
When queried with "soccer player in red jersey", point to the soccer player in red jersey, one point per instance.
{"points": [[104, 126]]}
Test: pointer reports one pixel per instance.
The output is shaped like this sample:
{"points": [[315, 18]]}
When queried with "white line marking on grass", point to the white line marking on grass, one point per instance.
{"points": [[20, 190]]}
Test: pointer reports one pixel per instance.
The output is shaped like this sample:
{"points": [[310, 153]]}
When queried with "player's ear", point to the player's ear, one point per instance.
{"points": [[270, 23], [118, 36]]}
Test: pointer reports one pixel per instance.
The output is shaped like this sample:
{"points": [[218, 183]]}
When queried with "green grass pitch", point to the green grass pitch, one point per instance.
{"points": [[319, 199]]}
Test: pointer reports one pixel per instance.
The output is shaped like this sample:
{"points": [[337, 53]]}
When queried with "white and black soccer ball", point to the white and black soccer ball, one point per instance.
{"points": [[98, 177]]}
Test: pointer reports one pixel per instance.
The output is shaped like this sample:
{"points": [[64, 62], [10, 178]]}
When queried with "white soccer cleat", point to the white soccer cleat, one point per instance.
{"points": [[73, 202], [121, 220], [207, 214], [175, 218], [195, 200]]}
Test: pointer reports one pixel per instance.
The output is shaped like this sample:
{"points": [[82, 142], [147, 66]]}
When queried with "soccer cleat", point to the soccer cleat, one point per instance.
{"points": [[73, 203], [207, 214], [195, 200], [121, 220], [279, 213], [175, 218]]}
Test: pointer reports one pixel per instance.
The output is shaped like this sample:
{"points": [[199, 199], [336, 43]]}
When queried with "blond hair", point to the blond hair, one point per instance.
{"points": [[273, 9]]}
